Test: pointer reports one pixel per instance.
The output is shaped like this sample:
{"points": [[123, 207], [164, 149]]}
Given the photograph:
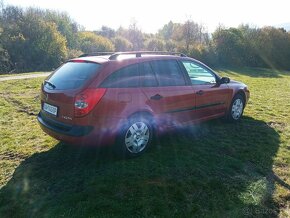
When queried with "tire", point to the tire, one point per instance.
{"points": [[236, 108], [135, 137]]}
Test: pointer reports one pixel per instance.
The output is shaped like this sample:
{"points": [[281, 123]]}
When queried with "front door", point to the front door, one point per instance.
{"points": [[210, 97], [169, 95]]}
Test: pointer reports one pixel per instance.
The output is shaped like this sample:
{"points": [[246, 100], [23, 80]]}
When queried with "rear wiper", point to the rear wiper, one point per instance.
{"points": [[49, 83]]}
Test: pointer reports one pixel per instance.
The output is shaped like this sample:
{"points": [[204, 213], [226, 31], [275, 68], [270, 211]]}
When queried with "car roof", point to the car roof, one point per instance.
{"points": [[148, 55]]}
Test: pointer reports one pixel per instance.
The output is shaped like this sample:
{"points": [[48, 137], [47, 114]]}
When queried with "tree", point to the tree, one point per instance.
{"points": [[36, 39], [155, 44], [194, 34], [275, 53], [32, 43], [5, 64], [50, 46], [65, 25], [170, 45], [122, 44], [190, 33], [90, 42], [106, 32], [167, 31], [184, 37], [229, 45], [254, 47], [73, 53], [133, 35]]}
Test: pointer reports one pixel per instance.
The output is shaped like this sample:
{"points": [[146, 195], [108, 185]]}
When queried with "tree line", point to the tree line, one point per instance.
{"points": [[34, 39]]}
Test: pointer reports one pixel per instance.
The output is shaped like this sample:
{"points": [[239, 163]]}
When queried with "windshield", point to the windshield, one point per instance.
{"points": [[72, 75]]}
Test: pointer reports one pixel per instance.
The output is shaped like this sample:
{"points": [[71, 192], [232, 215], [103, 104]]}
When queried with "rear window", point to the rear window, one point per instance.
{"points": [[72, 75], [168, 73]]}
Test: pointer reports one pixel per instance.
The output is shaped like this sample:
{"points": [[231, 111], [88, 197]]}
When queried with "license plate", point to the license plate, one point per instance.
{"points": [[50, 109]]}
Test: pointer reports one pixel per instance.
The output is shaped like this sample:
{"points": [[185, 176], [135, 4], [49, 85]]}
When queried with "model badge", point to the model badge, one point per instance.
{"points": [[66, 118]]}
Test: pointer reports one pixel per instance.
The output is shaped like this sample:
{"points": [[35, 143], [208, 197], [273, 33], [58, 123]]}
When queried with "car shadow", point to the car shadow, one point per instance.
{"points": [[213, 169]]}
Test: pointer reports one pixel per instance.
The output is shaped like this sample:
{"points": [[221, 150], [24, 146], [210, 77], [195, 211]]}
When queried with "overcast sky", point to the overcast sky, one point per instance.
{"points": [[151, 15]]}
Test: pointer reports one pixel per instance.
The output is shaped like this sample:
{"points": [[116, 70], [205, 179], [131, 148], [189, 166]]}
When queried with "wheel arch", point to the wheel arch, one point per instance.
{"points": [[242, 93], [120, 147], [143, 113]]}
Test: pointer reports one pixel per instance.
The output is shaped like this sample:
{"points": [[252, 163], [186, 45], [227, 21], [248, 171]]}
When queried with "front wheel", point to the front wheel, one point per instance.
{"points": [[135, 138], [236, 109]]}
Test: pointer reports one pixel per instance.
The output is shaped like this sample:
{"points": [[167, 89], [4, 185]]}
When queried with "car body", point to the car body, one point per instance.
{"points": [[126, 98]]}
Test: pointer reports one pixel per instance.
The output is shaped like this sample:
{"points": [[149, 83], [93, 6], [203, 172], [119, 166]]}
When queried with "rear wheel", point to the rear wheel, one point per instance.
{"points": [[236, 109], [135, 137]]}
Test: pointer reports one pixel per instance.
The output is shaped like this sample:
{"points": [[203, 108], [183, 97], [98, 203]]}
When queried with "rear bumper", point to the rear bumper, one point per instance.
{"points": [[63, 129], [97, 135]]}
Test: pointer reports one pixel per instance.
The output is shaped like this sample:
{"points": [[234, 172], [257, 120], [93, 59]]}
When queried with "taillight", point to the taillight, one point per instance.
{"points": [[86, 101]]}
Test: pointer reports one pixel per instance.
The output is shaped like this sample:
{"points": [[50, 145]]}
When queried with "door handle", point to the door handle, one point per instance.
{"points": [[200, 92], [156, 97]]}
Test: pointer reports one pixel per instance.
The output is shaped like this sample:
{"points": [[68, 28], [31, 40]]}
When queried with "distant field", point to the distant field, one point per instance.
{"points": [[20, 74], [214, 169]]}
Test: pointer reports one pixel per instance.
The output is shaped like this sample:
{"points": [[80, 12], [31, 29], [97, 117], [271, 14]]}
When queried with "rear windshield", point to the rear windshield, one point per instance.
{"points": [[72, 75]]}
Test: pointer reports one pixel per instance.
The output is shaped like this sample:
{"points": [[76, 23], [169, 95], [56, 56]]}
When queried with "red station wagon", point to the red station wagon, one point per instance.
{"points": [[128, 97]]}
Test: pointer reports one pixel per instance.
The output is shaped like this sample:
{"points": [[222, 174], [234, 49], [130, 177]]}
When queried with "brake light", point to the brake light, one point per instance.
{"points": [[78, 61], [87, 100]]}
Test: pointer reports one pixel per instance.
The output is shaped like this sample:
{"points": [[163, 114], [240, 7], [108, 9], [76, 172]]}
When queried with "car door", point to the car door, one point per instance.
{"points": [[210, 96], [169, 95]]}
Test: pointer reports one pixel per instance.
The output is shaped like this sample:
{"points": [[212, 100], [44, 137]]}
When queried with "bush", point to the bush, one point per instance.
{"points": [[154, 44], [73, 53], [31, 42], [122, 44], [90, 42], [5, 63]]}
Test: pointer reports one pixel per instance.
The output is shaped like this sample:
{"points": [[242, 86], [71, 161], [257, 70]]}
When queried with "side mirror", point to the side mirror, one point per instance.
{"points": [[224, 80]]}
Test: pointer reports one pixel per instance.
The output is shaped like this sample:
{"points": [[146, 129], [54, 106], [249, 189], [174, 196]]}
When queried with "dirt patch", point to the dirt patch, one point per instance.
{"points": [[13, 156], [277, 125], [20, 107]]}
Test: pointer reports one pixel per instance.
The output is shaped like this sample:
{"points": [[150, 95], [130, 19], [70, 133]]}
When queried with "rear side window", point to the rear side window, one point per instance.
{"points": [[148, 77], [72, 75], [168, 73], [126, 77]]}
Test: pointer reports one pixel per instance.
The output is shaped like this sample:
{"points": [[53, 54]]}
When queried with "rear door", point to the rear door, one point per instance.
{"points": [[124, 95], [59, 90], [210, 97], [169, 95]]}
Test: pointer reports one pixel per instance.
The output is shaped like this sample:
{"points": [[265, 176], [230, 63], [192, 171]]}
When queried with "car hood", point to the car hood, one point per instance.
{"points": [[234, 82]]}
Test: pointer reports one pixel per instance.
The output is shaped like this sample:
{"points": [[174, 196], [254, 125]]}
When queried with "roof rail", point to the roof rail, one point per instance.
{"points": [[115, 55], [139, 54], [96, 54]]}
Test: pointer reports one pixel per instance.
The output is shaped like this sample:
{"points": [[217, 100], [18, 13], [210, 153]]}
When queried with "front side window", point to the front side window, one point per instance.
{"points": [[168, 73], [126, 77], [199, 75]]}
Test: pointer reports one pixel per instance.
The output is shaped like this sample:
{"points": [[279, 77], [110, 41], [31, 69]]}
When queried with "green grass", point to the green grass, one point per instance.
{"points": [[215, 169]]}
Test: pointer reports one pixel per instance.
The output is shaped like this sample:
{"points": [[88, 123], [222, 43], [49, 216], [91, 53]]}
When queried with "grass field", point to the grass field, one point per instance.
{"points": [[215, 169], [20, 74]]}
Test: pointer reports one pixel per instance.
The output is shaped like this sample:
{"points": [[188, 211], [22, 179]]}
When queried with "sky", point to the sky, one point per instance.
{"points": [[151, 15]]}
